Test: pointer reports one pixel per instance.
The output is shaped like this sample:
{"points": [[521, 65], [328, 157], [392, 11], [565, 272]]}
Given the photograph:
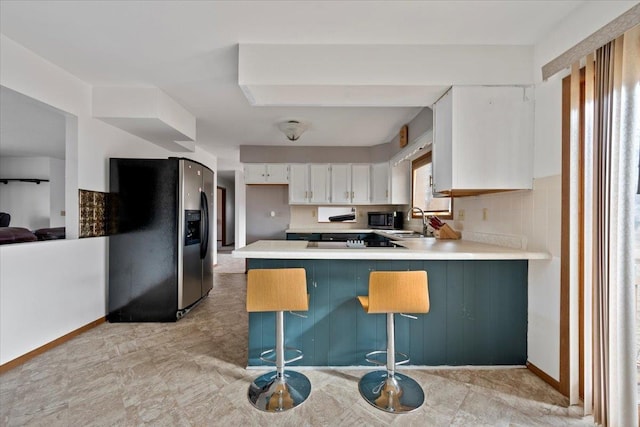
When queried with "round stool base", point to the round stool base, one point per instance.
{"points": [[397, 394], [272, 394]]}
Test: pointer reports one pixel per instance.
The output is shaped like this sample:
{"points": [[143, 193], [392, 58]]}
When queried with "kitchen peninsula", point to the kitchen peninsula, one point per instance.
{"points": [[478, 296]]}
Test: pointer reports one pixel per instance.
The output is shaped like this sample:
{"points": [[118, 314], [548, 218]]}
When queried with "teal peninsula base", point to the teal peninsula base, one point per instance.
{"points": [[478, 314]]}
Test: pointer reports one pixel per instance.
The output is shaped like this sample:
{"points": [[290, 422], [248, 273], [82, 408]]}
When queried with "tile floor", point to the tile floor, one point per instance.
{"points": [[192, 373]]}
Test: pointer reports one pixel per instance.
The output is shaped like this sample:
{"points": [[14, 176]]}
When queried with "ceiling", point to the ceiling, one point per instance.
{"points": [[189, 49]]}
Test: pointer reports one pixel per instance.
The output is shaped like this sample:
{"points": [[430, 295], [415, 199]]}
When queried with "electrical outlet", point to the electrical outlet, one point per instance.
{"points": [[461, 214], [485, 214]]}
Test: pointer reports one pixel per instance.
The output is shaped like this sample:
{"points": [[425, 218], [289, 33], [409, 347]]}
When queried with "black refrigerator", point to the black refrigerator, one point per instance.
{"points": [[160, 242]]}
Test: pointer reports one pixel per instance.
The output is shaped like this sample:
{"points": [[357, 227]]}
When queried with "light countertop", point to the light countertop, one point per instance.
{"points": [[412, 249]]}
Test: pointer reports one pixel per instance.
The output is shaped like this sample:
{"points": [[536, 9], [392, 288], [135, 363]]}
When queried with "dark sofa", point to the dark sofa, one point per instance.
{"points": [[50, 233], [16, 235], [21, 235]]}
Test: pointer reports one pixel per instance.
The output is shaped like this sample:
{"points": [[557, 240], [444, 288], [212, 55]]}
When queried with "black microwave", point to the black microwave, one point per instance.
{"points": [[386, 220]]}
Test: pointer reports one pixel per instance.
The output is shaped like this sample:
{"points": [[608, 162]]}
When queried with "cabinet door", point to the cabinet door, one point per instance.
{"points": [[255, 173], [492, 136], [380, 183], [340, 184], [401, 183], [277, 173], [319, 183], [298, 184], [442, 144], [360, 189]]}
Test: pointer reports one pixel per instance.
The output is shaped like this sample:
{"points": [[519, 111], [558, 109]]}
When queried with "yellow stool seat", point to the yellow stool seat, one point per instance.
{"points": [[282, 289], [397, 292]]}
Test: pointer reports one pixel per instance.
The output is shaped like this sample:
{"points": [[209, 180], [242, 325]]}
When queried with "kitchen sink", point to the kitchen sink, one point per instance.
{"points": [[404, 234]]}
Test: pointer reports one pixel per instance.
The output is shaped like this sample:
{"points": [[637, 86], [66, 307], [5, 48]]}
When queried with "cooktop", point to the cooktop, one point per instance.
{"points": [[354, 244]]}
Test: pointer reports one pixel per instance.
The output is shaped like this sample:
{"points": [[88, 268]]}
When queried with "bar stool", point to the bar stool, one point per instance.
{"points": [[278, 290], [393, 292]]}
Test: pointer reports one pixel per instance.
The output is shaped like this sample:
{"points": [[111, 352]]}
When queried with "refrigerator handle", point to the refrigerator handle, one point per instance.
{"points": [[204, 242]]}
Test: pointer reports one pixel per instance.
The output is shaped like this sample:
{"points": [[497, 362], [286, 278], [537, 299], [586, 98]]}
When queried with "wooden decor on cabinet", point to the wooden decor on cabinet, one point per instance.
{"points": [[404, 135]]}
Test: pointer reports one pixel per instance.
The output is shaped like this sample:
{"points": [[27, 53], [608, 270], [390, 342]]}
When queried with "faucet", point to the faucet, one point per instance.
{"points": [[425, 231]]}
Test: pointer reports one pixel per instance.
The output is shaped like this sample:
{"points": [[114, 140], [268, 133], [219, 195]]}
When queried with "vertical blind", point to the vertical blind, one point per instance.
{"points": [[610, 139]]}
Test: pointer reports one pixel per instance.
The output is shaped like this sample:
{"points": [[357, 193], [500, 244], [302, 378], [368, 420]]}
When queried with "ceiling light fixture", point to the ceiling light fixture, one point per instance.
{"points": [[292, 129]]}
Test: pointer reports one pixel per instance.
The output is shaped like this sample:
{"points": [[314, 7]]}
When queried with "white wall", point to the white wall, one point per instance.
{"points": [[39, 304], [262, 200], [241, 210], [68, 289], [57, 188]]}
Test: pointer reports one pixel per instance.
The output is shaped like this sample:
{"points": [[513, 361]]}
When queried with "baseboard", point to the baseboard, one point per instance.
{"points": [[33, 353], [543, 376]]}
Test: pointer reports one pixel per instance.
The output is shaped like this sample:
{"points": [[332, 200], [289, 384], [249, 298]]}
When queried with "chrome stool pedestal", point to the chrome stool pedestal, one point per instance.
{"points": [[393, 292], [273, 393], [389, 390], [397, 393], [279, 390]]}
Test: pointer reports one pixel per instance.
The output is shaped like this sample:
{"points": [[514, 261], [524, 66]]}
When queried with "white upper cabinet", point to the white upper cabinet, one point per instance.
{"points": [[360, 183], [261, 173], [319, 186], [483, 140], [341, 184], [391, 184], [350, 183], [298, 184], [308, 184], [400, 183], [278, 174], [380, 191]]}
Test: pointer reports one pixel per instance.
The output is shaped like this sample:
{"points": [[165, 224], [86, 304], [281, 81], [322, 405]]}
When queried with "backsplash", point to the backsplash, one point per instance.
{"points": [[527, 219], [93, 213], [505, 240], [307, 216]]}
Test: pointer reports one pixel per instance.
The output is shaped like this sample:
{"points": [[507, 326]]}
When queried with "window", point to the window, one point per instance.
{"points": [[422, 195], [35, 140]]}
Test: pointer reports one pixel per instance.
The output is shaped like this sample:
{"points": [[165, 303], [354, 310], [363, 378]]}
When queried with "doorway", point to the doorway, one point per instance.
{"points": [[221, 222]]}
